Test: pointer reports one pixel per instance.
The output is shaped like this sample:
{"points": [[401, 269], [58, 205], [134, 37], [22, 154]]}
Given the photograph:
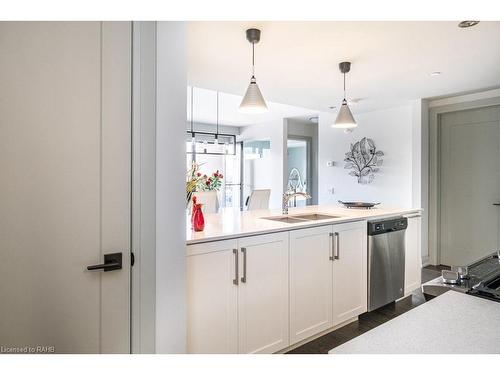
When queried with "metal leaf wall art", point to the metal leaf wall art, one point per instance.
{"points": [[364, 160]]}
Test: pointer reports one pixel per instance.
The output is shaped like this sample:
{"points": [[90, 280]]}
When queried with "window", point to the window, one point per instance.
{"points": [[229, 165]]}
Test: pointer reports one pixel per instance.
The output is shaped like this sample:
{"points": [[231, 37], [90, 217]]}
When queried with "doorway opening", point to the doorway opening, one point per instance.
{"points": [[467, 184], [299, 169]]}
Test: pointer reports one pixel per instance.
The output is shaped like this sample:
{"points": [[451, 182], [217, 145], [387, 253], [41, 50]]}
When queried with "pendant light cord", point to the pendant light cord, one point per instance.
{"points": [[217, 131], [253, 60], [192, 126], [344, 86]]}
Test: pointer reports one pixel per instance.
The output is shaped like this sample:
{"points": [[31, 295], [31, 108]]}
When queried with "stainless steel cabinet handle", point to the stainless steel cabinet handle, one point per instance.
{"points": [[337, 236], [244, 252], [236, 275], [331, 247]]}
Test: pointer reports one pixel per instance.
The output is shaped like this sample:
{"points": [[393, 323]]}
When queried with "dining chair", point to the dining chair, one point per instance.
{"points": [[259, 200], [209, 200]]}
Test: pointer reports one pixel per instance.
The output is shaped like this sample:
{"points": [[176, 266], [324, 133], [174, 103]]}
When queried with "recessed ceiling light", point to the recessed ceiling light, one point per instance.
{"points": [[465, 24], [436, 73]]}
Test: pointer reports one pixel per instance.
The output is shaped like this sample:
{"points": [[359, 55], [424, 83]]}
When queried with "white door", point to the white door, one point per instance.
{"points": [[65, 193], [263, 293], [349, 271], [311, 255], [470, 185], [413, 257], [212, 297]]}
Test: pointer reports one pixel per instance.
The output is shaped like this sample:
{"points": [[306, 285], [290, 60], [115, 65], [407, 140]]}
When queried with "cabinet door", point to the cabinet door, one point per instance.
{"points": [[212, 298], [310, 282], [349, 271], [263, 293], [413, 257]]}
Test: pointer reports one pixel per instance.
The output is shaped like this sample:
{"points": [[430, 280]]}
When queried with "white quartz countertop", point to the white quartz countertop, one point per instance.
{"points": [[450, 323], [231, 223]]}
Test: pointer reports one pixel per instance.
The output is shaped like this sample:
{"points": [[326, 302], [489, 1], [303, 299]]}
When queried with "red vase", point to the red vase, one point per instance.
{"points": [[198, 219], [193, 207]]}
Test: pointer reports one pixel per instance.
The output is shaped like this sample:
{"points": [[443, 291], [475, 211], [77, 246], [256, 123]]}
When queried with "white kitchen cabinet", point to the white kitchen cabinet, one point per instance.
{"points": [[311, 252], [263, 294], [328, 277], [413, 256], [212, 298], [349, 271], [238, 295]]}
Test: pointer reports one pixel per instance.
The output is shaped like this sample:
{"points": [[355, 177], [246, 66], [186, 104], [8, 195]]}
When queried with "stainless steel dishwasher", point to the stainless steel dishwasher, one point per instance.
{"points": [[386, 261]]}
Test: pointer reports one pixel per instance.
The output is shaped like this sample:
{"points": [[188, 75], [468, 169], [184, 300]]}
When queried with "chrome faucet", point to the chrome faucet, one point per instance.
{"points": [[287, 195]]}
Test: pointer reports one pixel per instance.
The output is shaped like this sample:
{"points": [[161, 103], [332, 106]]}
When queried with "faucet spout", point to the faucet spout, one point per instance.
{"points": [[287, 195]]}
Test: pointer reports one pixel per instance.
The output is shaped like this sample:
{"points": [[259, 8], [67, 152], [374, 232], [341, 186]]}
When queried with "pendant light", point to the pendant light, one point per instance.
{"points": [[253, 101], [345, 119], [209, 143]]}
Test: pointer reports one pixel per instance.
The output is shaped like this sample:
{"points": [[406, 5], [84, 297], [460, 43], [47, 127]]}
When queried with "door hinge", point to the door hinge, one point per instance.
{"points": [[132, 259]]}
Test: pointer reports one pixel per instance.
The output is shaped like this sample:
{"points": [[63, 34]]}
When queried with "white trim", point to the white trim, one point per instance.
{"points": [[425, 262], [317, 335], [434, 172], [143, 186], [158, 190], [464, 98], [420, 145]]}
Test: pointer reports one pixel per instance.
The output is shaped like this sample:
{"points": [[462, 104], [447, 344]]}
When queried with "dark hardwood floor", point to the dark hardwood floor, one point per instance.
{"points": [[431, 272], [369, 320]]}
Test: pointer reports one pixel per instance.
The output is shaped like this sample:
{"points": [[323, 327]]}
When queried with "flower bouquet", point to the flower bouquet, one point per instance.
{"points": [[196, 181]]}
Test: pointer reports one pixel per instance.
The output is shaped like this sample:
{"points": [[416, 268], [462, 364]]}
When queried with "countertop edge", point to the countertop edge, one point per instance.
{"points": [[304, 225]]}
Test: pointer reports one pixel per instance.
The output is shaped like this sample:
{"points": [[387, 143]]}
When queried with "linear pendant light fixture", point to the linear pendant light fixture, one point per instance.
{"points": [[253, 101], [209, 143], [345, 119]]}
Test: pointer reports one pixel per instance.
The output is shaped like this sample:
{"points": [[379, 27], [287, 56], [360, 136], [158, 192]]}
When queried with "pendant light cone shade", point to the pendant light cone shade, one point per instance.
{"points": [[345, 119], [253, 101]]}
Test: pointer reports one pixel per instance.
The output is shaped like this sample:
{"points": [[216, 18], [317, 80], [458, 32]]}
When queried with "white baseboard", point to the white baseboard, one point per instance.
{"points": [[305, 341], [426, 261]]}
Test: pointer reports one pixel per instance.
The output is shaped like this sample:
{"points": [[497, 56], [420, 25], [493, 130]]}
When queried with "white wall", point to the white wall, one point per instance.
{"points": [[171, 82], [158, 175], [391, 130], [275, 132]]}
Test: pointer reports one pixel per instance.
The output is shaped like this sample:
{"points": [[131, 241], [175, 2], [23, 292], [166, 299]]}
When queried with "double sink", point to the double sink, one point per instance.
{"points": [[293, 219]]}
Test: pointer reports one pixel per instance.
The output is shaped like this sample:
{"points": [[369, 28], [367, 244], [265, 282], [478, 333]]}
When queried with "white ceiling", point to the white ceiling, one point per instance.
{"points": [[297, 62], [205, 109]]}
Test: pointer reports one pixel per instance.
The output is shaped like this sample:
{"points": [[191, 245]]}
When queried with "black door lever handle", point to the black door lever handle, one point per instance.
{"points": [[112, 262]]}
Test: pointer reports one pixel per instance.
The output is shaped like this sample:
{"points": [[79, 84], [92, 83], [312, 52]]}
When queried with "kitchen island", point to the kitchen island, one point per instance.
{"points": [[264, 286], [452, 323], [231, 223]]}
